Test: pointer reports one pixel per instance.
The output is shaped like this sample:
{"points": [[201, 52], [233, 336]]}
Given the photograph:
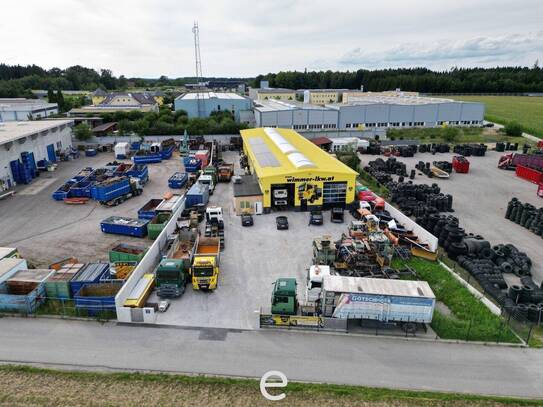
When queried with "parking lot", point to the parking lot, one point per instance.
{"points": [[45, 230], [253, 258], [480, 199]]}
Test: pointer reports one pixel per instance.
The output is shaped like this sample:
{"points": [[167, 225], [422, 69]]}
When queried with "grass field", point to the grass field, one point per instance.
{"points": [[465, 135], [22, 386], [467, 318], [528, 111]]}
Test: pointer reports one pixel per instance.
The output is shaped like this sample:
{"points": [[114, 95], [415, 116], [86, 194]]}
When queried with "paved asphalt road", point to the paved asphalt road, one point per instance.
{"points": [[311, 357]]}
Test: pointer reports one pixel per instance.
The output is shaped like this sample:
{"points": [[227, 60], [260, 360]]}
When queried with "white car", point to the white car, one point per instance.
{"points": [[163, 305]]}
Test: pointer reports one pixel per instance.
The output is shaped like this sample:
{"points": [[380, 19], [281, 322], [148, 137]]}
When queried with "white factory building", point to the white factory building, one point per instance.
{"points": [[20, 109], [370, 113], [24, 144]]}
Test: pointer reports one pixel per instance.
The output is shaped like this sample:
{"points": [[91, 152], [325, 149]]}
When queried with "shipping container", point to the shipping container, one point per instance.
{"points": [[90, 273], [148, 211], [8, 252], [157, 225], [170, 204], [118, 225], [197, 194], [127, 252], [178, 180], [57, 284], [9, 266], [96, 298], [377, 299], [122, 150], [110, 189]]}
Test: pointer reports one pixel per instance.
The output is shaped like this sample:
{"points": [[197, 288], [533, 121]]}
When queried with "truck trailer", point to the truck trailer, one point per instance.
{"points": [[205, 264]]}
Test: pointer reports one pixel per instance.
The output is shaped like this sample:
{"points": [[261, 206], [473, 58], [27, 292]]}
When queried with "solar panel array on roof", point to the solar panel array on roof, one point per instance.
{"points": [[262, 153]]}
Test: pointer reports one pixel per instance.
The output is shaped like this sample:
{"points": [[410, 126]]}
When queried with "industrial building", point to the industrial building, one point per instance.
{"points": [[202, 104], [369, 113], [21, 109], [23, 144], [323, 96], [120, 102], [295, 173]]}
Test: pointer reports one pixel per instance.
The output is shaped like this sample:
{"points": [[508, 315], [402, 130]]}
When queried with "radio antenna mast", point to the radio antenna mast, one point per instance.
{"points": [[199, 76]]}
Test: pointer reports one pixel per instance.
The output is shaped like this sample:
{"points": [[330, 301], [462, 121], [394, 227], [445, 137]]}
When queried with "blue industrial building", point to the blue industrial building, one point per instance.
{"points": [[201, 104]]}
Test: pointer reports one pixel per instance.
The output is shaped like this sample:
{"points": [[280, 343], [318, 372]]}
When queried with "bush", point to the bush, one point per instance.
{"points": [[82, 132], [513, 129], [450, 134]]}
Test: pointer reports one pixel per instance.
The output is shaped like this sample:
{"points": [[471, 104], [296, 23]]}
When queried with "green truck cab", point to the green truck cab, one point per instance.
{"points": [[171, 278], [284, 300]]}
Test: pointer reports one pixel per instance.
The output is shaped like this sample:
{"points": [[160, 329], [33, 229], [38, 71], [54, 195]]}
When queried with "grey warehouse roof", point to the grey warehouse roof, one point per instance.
{"points": [[394, 100], [276, 105], [210, 95], [11, 131]]}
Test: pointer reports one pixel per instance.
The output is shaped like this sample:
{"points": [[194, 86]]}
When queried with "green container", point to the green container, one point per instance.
{"points": [[157, 225], [126, 252]]}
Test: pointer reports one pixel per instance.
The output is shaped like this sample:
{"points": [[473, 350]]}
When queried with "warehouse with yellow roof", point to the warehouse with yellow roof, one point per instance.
{"points": [[292, 172]]}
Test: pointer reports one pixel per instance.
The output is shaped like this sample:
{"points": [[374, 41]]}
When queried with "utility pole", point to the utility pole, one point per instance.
{"points": [[199, 80]]}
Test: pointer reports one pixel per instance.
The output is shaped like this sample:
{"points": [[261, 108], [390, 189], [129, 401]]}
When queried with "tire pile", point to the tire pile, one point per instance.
{"points": [[443, 165], [406, 151], [419, 199], [487, 263], [525, 215], [501, 146], [434, 148], [382, 170], [476, 150]]}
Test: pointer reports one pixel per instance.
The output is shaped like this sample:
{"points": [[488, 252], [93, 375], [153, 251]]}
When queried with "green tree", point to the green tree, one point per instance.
{"points": [[60, 101], [51, 96], [82, 132], [513, 129]]}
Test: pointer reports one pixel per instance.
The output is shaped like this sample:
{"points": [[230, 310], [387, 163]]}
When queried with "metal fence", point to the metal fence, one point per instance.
{"points": [[66, 307]]}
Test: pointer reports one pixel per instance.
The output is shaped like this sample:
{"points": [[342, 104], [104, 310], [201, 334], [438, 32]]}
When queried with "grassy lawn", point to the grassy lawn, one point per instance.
{"points": [[465, 135], [469, 319], [31, 386], [528, 111]]}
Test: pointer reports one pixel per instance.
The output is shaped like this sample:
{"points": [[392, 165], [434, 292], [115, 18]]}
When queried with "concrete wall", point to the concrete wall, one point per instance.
{"points": [[36, 144], [146, 265]]}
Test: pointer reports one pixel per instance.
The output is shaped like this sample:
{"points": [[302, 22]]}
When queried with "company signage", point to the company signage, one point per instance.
{"points": [[290, 320], [316, 178]]}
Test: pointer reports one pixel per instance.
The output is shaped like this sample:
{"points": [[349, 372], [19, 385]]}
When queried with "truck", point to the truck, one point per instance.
{"points": [[171, 278], [205, 264], [284, 300], [215, 224], [116, 190], [207, 180], [226, 171], [406, 303]]}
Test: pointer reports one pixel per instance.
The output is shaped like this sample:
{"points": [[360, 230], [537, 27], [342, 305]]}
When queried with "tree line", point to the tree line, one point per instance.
{"points": [[456, 80], [166, 122]]}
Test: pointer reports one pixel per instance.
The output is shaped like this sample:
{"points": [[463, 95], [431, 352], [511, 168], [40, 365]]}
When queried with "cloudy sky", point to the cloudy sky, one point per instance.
{"points": [[148, 38]]}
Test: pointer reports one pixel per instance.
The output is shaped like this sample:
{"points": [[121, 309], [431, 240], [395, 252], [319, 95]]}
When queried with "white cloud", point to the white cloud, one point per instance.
{"points": [[487, 50]]}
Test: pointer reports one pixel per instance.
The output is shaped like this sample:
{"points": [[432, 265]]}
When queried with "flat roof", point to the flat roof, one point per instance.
{"points": [[18, 103], [104, 127], [11, 131], [275, 90], [211, 95], [372, 99], [248, 187], [377, 286], [279, 105], [276, 151]]}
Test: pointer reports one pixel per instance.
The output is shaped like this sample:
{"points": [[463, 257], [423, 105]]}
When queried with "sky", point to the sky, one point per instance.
{"points": [[243, 38]]}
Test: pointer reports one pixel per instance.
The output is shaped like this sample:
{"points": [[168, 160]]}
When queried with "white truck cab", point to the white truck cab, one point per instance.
{"points": [[205, 179], [315, 276], [214, 213]]}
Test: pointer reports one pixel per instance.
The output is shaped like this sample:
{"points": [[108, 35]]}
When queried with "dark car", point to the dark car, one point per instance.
{"points": [[316, 218], [246, 220], [336, 215], [282, 222]]}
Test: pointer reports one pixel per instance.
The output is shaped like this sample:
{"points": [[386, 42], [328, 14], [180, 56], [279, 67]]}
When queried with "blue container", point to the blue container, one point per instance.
{"points": [[118, 225], [90, 273], [197, 194], [108, 191], [167, 152], [148, 211], [95, 298], [178, 180], [91, 152], [26, 304], [192, 165], [139, 171]]}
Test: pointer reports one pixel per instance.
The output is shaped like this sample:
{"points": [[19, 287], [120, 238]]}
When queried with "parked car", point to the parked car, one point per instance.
{"points": [[163, 305], [336, 215], [316, 218], [282, 222], [246, 220]]}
